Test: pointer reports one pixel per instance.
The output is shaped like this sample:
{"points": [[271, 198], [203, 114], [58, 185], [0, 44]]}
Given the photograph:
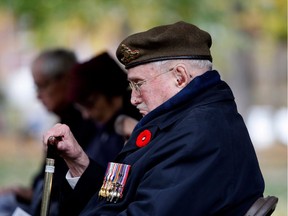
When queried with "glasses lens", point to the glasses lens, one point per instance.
{"points": [[131, 86], [135, 87]]}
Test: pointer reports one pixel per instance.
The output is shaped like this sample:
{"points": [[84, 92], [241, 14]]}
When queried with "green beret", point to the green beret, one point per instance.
{"points": [[180, 40]]}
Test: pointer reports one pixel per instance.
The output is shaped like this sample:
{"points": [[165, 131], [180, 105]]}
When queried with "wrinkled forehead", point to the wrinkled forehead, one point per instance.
{"points": [[145, 71]]}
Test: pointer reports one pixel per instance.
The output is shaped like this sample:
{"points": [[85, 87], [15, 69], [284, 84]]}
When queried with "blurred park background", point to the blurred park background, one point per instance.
{"points": [[249, 50]]}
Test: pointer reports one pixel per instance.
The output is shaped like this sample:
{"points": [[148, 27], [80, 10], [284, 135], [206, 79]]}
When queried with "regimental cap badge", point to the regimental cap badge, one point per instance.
{"points": [[128, 54], [114, 182]]}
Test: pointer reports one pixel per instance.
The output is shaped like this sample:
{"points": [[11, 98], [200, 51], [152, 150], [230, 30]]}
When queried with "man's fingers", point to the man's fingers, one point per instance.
{"points": [[53, 140]]}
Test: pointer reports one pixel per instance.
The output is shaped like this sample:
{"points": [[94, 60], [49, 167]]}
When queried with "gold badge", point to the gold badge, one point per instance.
{"points": [[128, 54]]}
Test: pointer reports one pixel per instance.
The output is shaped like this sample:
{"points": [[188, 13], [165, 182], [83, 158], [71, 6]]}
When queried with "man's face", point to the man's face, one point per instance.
{"points": [[50, 91], [153, 86], [96, 107]]}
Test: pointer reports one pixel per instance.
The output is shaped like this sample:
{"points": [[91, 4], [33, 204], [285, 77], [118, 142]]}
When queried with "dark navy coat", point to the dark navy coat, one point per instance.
{"points": [[198, 161]]}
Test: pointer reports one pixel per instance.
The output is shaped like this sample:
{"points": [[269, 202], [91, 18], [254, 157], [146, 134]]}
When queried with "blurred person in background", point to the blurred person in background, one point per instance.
{"points": [[51, 73], [101, 104]]}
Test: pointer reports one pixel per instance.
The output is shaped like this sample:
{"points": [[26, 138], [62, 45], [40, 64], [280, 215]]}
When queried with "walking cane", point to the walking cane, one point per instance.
{"points": [[49, 171]]}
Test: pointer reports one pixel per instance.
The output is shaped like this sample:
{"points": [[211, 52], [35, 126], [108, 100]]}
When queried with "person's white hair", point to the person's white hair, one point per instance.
{"points": [[203, 65], [55, 62]]}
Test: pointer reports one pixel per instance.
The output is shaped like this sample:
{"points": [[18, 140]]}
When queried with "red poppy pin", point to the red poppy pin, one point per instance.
{"points": [[143, 138]]}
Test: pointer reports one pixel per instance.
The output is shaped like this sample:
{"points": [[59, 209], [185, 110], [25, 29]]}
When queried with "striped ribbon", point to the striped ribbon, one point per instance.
{"points": [[114, 181]]}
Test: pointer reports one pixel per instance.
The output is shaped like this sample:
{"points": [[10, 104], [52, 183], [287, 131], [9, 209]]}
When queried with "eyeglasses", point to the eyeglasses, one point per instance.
{"points": [[137, 85]]}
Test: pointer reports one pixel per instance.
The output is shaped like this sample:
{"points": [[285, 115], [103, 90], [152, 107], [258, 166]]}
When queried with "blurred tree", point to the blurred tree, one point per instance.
{"points": [[61, 16], [261, 17], [240, 27]]}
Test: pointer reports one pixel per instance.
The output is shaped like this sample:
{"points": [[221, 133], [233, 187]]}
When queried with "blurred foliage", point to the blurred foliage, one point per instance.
{"points": [[45, 19]]}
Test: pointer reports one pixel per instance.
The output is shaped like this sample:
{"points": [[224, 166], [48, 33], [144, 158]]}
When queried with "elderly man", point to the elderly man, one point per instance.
{"points": [[190, 154]]}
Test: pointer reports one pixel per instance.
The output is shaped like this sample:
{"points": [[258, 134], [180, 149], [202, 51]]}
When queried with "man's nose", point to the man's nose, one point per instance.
{"points": [[135, 98]]}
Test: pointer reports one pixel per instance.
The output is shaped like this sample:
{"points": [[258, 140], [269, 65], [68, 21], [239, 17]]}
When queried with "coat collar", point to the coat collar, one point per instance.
{"points": [[197, 85]]}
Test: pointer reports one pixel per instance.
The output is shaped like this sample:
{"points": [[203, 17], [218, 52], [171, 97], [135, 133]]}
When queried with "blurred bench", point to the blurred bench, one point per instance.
{"points": [[263, 206]]}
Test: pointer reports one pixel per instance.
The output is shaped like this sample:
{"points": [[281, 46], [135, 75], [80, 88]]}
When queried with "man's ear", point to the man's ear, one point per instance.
{"points": [[182, 75]]}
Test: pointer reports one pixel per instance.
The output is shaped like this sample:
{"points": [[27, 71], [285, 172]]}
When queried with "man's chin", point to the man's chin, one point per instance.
{"points": [[143, 113]]}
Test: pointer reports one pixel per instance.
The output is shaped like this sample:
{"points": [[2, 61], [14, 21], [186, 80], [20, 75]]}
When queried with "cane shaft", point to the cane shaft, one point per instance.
{"points": [[49, 170]]}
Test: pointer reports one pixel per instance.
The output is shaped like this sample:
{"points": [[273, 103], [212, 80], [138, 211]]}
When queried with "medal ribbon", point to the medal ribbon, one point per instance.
{"points": [[114, 181]]}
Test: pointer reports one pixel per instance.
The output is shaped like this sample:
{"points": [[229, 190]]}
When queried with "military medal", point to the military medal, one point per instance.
{"points": [[114, 182]]}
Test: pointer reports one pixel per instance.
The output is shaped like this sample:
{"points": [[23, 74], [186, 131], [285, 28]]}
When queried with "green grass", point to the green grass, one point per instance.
{"points": [[14, 172], [19, 161]]}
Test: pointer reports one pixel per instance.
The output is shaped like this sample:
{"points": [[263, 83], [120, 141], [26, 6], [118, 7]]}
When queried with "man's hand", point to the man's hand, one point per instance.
{"points": [[68, 148], [124, 125]]}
